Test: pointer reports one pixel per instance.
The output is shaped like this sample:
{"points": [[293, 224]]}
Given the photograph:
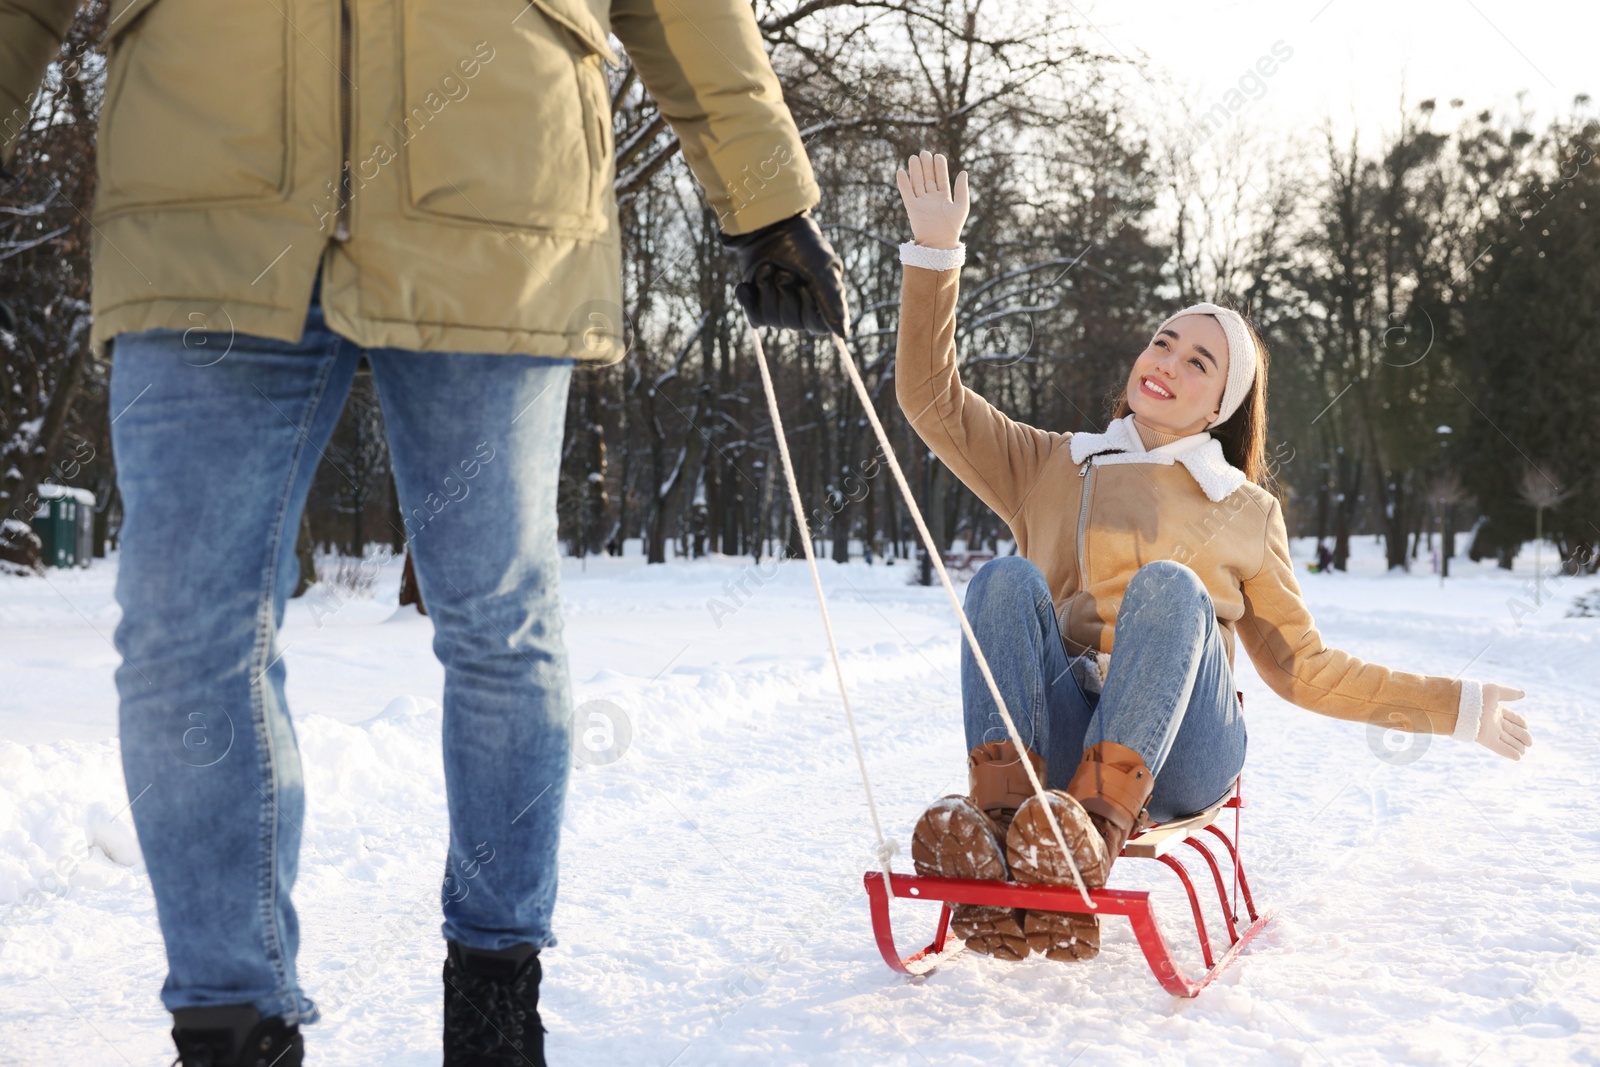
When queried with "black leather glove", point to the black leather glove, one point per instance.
{"points": [[791, 278]]}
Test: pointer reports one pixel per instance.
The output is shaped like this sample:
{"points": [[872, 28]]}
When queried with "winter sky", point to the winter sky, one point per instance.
{"points": [[1352, 59]]}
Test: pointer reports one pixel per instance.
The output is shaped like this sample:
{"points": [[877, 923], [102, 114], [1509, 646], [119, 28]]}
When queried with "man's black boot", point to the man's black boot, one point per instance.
{"points": [[234, 1035], [491, 1007]]}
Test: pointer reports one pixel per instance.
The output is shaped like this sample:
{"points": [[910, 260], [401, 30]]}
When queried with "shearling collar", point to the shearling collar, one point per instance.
{"points": [[1200, 452]]}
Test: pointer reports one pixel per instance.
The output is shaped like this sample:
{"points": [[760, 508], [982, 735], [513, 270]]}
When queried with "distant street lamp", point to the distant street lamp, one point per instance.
{"points": [[1447, 491]]}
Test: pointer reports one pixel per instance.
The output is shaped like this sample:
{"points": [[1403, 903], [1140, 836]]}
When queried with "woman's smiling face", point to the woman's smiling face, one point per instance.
{"points": [[1177, 381]]}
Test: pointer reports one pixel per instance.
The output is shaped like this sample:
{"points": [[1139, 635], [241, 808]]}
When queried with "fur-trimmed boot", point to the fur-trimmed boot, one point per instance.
{"points": [[1098, 811], [961, 837]]}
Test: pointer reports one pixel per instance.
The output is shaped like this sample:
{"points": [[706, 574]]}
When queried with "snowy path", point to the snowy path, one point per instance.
{"points": [[1447, 912]]}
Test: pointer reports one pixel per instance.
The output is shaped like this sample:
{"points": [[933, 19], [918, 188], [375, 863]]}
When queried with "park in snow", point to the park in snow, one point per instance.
{"points": [[1435, 904]]}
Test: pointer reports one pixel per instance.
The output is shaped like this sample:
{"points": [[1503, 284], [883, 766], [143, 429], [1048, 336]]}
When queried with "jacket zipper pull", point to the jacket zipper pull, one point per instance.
{"points": [[1083, 470]]}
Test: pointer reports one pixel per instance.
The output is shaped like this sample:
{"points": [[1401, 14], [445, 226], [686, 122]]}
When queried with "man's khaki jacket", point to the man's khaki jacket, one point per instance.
{"points": [[450, 165], [1091, 509]]}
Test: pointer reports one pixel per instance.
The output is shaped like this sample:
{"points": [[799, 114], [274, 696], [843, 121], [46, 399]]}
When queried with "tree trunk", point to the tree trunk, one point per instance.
{"points": [[794, 545], [410, 591], [841, 532], [102, 521], [305, 554], [1345, 504], [397, 528], [597, 502], [1324, 494], [1448, 536], [34, 464], [657, 549], [1395, 525], [1447, 539]]}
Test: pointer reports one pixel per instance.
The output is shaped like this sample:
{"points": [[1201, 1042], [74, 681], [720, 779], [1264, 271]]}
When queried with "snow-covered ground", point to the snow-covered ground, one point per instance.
{"points": [[1435, 904]]}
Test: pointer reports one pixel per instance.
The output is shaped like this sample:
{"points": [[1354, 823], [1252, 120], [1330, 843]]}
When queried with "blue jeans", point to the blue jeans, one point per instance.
{"points": [[1169, 693], [216, 441]]}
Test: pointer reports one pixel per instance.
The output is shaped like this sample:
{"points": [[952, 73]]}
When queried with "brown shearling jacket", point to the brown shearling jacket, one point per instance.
{"points": [[1090, 519]]}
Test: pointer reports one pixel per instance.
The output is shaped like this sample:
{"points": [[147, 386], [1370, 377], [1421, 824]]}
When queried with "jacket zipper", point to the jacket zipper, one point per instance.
{"points": [[341, 224], [1083, 520]]}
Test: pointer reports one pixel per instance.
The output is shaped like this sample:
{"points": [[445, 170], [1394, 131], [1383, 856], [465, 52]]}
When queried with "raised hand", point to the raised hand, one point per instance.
{"points": [[1502, 730], [936, 216]]}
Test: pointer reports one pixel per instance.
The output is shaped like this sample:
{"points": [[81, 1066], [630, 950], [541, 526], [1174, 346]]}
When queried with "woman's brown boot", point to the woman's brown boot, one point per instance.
{"points": [[1097, 812], [998, 783], [1113, 785], [961, 837]]}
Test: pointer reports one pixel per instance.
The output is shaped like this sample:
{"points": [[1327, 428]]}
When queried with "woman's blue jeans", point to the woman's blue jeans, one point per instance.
{"points": [[216, 440], [1169, 693]]}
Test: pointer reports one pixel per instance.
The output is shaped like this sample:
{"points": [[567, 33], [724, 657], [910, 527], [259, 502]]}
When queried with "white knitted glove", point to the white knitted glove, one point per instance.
{"points": [[936, 217], [1502, 730]]}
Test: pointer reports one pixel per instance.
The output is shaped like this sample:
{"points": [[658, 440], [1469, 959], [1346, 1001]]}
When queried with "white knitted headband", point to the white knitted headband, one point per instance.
{"points": [[1241, 355]]}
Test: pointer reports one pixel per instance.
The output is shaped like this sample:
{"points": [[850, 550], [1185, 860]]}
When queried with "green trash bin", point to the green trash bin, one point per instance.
{"points": [[63, 511]]}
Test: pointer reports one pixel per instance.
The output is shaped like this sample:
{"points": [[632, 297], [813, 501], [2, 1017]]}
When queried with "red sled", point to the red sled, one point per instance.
{"points": [[1157, 842]]}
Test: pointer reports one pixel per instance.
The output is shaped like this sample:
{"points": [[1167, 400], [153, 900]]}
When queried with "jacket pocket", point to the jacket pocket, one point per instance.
{"points": [[506, 116], [196, 108]]}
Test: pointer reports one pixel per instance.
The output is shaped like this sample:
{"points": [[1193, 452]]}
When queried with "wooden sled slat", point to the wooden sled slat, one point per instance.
{"points": [[1164, 837]]}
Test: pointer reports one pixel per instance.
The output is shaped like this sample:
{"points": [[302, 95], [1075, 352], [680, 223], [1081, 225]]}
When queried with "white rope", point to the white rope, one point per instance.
{"points": [[886, 849], [955, 601]]}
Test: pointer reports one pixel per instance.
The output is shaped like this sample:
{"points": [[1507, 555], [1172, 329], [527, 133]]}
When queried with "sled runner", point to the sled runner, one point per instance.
{"points": [[1159, 843]]}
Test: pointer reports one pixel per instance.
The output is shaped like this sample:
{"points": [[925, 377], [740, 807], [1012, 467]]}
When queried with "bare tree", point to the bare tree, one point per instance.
{"points": [[1540, 491], [359, 457], [45, 235]]}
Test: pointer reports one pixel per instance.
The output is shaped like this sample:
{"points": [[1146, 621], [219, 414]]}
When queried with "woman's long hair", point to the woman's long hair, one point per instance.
{"points": [[1244, 433]]}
